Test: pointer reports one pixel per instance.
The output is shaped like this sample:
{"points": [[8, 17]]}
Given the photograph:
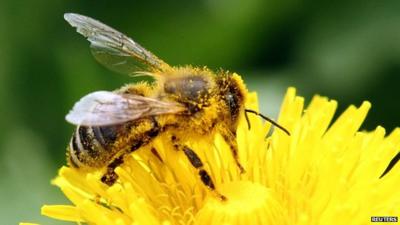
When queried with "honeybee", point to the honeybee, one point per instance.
{"points": [[182, 100]]}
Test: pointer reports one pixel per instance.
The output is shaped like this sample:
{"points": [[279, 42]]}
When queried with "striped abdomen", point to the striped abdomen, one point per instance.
{"points": [[96, 147], [92, 146]]}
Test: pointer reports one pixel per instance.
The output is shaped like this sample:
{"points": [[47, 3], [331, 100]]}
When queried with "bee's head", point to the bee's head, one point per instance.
{"points": [[233, 92]]}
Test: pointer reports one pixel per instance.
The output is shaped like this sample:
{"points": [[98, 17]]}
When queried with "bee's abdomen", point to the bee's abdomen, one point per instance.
{"points": [[105, 135], [91, 146]]}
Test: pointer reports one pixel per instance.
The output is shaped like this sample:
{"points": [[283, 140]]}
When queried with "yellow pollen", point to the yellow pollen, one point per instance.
{"points": [[247, 203]]}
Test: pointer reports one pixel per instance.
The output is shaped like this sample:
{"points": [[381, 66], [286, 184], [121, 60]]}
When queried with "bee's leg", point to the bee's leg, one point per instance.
{"points": [[110, 177], [156, 154], [147, 136], [230, 139], [142, 139], [198, 164], [204, 176]]}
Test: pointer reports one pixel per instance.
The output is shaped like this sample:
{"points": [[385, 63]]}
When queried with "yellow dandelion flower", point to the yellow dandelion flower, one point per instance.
{"points": [[323, 173]]}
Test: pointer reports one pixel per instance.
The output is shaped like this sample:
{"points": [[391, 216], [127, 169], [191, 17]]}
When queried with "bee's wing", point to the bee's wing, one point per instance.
{"points": [[103, 108], [113, 49]]}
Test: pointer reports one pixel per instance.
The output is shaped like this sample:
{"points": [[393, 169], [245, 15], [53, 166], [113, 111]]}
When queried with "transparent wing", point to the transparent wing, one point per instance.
{"points": [[114, 49], [103, 108]]}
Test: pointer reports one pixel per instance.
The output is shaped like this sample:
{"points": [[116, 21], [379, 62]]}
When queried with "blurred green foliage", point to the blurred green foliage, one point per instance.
{"points": [[347, 50]]}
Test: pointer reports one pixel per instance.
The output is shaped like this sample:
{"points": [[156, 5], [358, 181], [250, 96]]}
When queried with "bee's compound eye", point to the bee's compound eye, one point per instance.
{"points": [[232, 102]]}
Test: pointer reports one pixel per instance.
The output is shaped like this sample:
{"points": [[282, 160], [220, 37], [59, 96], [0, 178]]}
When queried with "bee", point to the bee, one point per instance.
{"points": [[186, 102]]}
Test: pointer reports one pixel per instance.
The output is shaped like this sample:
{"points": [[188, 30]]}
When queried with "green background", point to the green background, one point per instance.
{"points": [[347, 50]]}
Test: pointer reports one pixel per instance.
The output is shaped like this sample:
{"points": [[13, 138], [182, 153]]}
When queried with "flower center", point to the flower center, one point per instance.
{"points": [[247, 203]]}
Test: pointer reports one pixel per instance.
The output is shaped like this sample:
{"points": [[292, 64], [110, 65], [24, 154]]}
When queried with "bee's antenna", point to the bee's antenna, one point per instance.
{"points": [[265, 118], [247, 118], [391, 164]]}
